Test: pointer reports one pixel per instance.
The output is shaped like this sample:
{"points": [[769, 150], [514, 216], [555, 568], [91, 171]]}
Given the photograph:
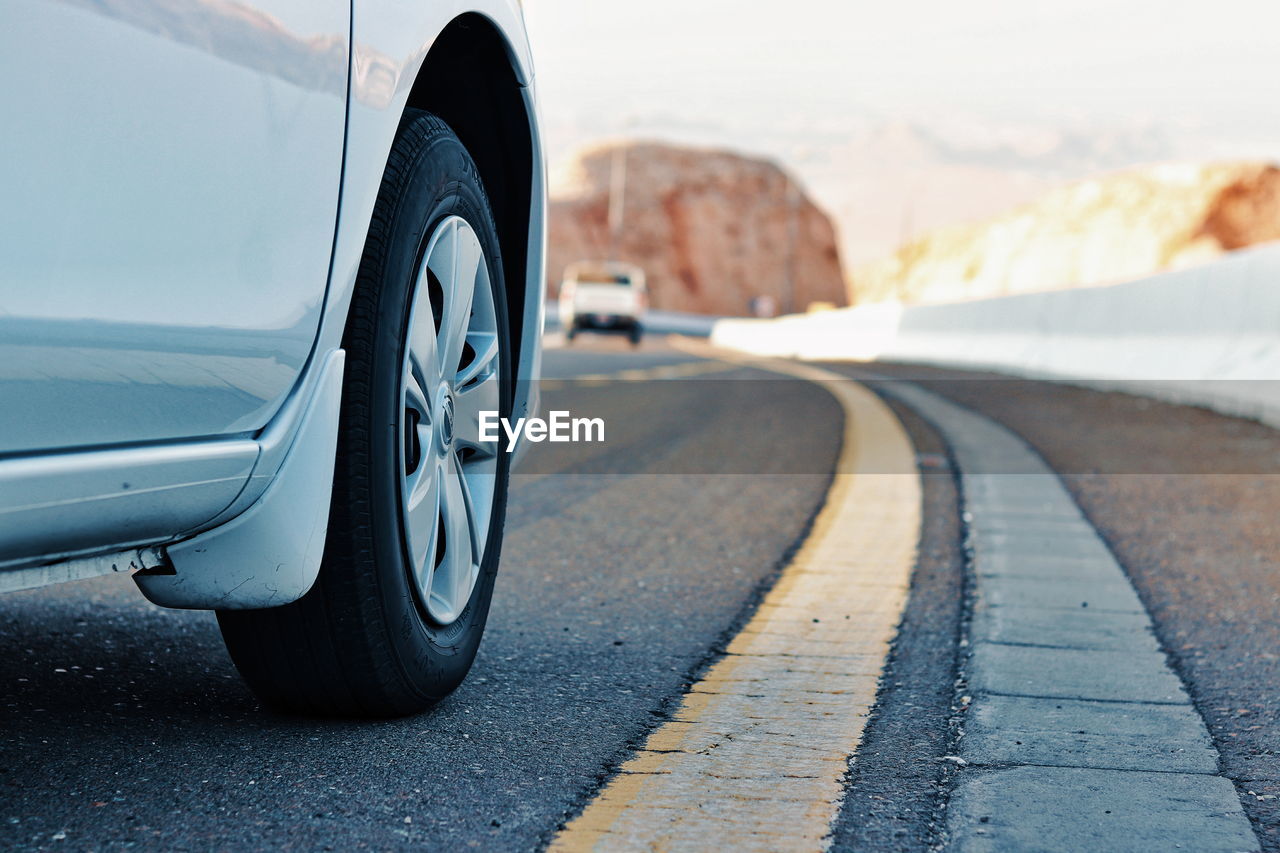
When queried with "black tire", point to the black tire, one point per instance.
{"points": [[635, 334], [359, 644], [571, 332]]}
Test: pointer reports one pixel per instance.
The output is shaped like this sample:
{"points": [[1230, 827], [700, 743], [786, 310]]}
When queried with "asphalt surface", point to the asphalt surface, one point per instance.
{"points": [[126, 725], [897, 784], [627, 565]]}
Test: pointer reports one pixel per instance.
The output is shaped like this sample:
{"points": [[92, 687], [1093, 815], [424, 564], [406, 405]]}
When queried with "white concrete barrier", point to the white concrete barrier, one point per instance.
{"points": [[1206, 336]]}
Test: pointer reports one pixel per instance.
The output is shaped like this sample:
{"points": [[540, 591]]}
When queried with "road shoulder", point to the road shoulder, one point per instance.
{"points": [[898, 779], [1068, 733]]}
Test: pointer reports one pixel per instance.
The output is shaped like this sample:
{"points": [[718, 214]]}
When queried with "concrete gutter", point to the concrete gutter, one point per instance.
{"points": [[1078, 734]]}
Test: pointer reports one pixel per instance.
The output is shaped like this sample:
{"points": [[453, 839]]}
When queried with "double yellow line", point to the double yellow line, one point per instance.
{"points": [[755, 756]]}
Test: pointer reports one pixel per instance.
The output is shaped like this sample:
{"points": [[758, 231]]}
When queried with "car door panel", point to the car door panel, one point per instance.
{"points": [[169, 194]]}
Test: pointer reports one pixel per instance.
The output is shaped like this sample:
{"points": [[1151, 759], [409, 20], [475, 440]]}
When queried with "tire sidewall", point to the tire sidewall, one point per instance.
{"points": [[441, 182]]}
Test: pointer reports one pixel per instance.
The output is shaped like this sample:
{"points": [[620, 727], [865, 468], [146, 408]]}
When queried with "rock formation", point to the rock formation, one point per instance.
{"points": [[1104, 230], [712, 230]]}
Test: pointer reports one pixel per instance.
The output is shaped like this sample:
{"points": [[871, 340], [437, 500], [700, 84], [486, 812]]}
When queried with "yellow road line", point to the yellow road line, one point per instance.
{"points": [[755, 756]]}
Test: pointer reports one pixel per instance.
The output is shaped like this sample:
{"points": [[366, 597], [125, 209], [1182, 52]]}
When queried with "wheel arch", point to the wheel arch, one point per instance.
{"points": [[469, 79]]}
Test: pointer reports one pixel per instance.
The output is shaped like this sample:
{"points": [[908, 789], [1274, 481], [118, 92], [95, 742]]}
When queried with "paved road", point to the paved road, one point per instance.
{"points": [[627, 567], [126, 724]]}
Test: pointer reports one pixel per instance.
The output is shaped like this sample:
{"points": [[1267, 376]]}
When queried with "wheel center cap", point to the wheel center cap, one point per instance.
{"points": [[445, 433]]}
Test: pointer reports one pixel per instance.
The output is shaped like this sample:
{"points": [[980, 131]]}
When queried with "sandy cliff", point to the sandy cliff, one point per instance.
{"points": [[1103, 230], [711, 229]]}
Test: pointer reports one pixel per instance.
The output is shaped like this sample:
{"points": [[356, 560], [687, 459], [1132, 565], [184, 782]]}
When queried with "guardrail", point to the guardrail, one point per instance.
{"points": [[1208, 336]]}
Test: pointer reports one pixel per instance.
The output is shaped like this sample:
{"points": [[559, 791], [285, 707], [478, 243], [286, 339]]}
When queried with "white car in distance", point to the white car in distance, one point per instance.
{"points": [[603, 296]]}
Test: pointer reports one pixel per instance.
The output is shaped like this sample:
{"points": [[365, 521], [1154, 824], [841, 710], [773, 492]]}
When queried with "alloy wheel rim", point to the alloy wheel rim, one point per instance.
{"points": [[449, 376]]}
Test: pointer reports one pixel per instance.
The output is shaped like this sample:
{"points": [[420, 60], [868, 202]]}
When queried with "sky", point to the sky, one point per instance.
{"points": [[797, 80], [1205, 61]]}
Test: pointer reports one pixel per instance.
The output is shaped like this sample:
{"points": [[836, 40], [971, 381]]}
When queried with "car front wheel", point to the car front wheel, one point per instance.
{"points": [[394, 620]]}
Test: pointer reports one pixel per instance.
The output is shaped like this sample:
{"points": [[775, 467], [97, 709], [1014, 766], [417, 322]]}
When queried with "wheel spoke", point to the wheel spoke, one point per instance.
{"points": [[422, 519], [423, 356], [468, 404], [476, 534], [443, 251], [459, 290], [454, 577], [415, 397], [484, 345]]}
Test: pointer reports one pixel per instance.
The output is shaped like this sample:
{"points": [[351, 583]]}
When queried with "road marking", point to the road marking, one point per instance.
{"points": [[755, 756]]}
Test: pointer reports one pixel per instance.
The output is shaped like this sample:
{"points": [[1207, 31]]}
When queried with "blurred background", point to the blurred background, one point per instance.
{"points": [[776, 158]]}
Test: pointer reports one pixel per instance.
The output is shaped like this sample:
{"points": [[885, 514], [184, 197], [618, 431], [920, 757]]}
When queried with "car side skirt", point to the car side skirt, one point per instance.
{"points": [[64, 506]]}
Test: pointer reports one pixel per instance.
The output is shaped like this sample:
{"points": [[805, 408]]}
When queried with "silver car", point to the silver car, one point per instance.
{"points": [[263, 263]]}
